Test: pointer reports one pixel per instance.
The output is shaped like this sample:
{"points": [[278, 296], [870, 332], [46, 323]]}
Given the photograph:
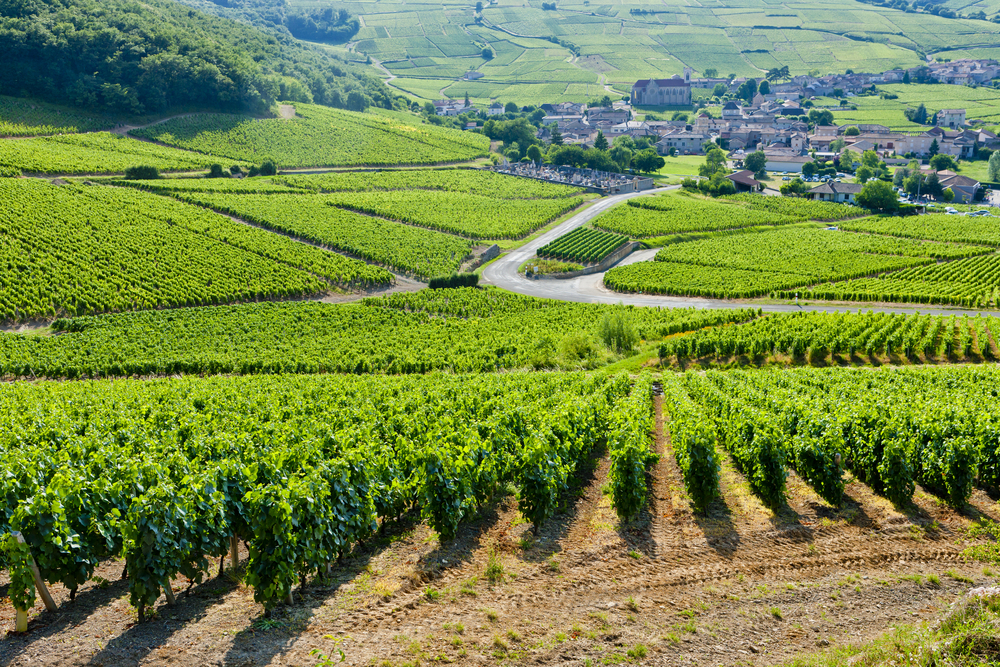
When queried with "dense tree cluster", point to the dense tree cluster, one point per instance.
{"points": [[132, 58]]}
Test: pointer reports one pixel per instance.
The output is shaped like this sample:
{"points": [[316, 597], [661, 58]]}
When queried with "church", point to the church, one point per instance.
{"points": [[672, 92]]}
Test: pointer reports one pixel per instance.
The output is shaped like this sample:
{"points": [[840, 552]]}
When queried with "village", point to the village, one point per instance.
{"points": [[781, 122]]}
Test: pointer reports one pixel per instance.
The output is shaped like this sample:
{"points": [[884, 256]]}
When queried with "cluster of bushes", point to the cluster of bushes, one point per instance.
{"points": [[455, 280], [267, 168]]}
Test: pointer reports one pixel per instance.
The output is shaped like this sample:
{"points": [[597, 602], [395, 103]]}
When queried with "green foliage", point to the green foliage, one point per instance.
{"points": [[628, 438], [455, 280], [148, 173], [693, 437], [22, 585], [877, 196], [119, 59], [616, 330]]}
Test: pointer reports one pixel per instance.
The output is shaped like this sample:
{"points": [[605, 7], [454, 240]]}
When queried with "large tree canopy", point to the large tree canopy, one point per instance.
{"points": [[139, 58]]}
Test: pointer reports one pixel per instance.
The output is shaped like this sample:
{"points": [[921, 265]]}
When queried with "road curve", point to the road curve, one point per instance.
{"points": [[590, 289]]}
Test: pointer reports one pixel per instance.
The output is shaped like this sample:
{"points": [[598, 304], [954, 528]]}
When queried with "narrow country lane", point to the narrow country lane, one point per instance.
{"points": [[590, 289]]}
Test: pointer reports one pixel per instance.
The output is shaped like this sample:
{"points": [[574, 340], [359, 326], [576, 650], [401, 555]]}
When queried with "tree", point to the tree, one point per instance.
{"points": [[765, 88], [510, 107], [715, 160], [747, 90], [621, 155], [648, 161], [878, 196], [847, 160], [948, 195], [267, 168], [809, 169], [711, 73], [794, 188], [601, 142], [719, 90], [534, 153], [852, 131], [871, 160], [906, 77], [821, 117], [557, 138], [479, 6], [900, 176], [757, 163], [625, 141], [993, 167], [487, 53], [933, 150], [837, 145], [467, 105], [918, 115], [941, 162], [932, 186], [864, 174], [567, 155], [430, 109]]}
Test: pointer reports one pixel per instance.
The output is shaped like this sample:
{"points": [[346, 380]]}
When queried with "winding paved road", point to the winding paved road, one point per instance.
{"points": [[590, 289]]}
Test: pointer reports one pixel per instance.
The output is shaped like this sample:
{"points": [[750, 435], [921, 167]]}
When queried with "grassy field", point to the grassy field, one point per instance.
{"points": [[572, 52]]}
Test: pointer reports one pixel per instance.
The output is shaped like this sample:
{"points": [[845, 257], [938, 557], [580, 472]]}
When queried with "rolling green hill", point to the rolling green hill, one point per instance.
{"points": [[129, 58], [578, 49]]}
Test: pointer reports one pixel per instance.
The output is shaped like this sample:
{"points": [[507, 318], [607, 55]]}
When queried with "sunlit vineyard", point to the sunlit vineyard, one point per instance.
{"points": [[98, 153], [465, 330], [582, 245], [470, 215], [774, 259], [954, 228], [73, 250], [891, 428], [680, 212], [349, 452], [819, 338], [971, 283], [319, 136], [423, 252], [470, 181]]}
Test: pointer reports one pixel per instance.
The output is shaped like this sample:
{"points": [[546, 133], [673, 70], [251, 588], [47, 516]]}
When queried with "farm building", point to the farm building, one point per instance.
{"points": [[836, 192], [745, 182], [953, 118]]}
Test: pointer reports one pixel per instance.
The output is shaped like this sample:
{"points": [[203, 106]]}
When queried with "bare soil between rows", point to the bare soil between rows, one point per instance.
{"points": [[742, 585]]}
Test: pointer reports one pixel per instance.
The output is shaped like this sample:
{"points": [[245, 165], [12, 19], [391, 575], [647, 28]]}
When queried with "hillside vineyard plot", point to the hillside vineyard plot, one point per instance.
{"points": [[69, 250], [677, 213], [29, 118], [416, 250], [760, 262], [841, 338], [334, 453], [463, 330], [319, 137], [582, 245], [972, 283], [393, 218], [891, 428], [98, 153]]}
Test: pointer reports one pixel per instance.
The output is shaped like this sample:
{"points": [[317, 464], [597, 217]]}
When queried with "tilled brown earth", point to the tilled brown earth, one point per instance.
{"points": [[743, 585]]}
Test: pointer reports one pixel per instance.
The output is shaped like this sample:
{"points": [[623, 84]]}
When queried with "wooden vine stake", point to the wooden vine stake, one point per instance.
{"points": [[39, 583], [234, 552]]}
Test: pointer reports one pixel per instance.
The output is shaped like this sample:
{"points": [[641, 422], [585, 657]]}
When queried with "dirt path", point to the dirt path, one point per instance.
{"points": [[740, 585]]}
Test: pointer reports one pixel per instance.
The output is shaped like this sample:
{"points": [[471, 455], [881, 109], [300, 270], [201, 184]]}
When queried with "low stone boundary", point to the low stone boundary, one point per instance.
{"points": [[618, 255]]}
